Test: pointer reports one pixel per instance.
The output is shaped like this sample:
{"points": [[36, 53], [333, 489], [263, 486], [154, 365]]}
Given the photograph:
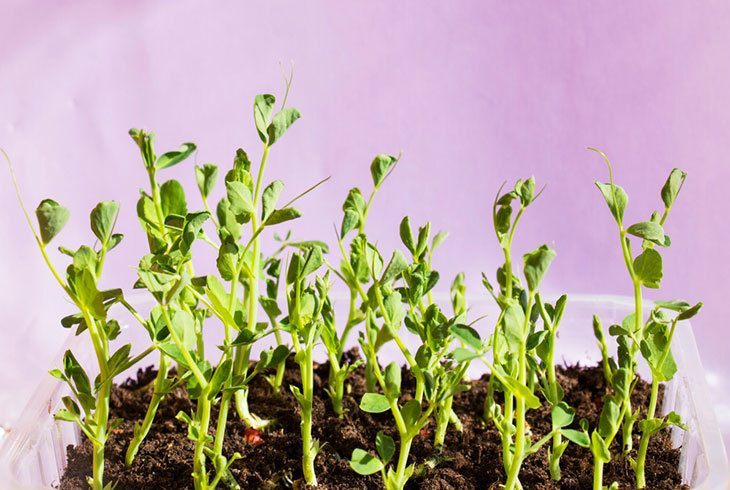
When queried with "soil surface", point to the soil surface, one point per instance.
{"points": [[471, 459]]}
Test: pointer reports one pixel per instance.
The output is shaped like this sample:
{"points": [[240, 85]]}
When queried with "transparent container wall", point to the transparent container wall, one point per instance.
{"points": [[34, 455]]}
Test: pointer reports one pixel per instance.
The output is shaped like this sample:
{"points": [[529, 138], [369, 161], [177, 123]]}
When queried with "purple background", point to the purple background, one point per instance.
{"points": [[473, 93]]}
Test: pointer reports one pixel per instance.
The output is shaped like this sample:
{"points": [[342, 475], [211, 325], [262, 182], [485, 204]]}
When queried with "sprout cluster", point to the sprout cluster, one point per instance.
{"points": [[287, 294]]}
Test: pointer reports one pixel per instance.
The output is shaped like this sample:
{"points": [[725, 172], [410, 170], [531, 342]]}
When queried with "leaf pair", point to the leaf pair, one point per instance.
{"points": [[271, 129], [366, 464]]}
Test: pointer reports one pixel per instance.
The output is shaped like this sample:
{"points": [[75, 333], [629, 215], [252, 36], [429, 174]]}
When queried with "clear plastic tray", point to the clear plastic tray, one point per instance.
{"points": [[34, 454]]}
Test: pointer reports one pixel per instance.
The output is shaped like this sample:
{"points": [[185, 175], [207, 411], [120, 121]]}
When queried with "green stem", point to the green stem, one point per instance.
{"points": [[646, 435], [455, 420], [281, 368], [155, 189], [149, 417], [508, 254], [240, 365], [553, 384], [98, 466], [521, 409], [442, 422], [101, 414], [641, 460], [220, 430], [336, 384], [627, 427], [200, 474], [308, 450], [597, 473], [403, 452], [509, 401]]}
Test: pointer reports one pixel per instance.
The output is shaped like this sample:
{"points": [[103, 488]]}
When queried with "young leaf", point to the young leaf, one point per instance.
{"points": [[174, 157], [277, 356], [240, 198], [281, 122], [52, 217], [115, 240], [119, 361], [673, 418], [227, 261], [648, 230], [651, 426], [514, 324], [610, 418], [658, 355], [102, 219], [350, 221], [527, 192], [467, 335], [562, 415], [438, 239], [536, 264], [365, 463], [673, 305], [689, 312], [354, 208], [422, 240], [220, 376], [172, 197], [671, 187], [577, 436], [312, 261], [406, 234], [381, 165], [411, 412], [503, 219], [461, 355], [648, 268], [85, 258], [394, 268], [269, 198], [521, 391], [183, 325], [385, 446], [282, 215], [599, 447], [193, 225], [617, 208], [392, 380], [263, 105], [206, 177], [621, 382], [374, 403]]}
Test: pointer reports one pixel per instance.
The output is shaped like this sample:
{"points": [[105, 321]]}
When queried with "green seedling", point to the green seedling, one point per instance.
{"points": [[88, 406], [522, 363], [543, 342], [425, 319], [355, 272], [651, 338], [167, 273], [439, 376], [307, 305], [161, 234], [249, 201]]}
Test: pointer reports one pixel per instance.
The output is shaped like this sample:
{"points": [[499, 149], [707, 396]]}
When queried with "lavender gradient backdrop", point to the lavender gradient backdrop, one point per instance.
{"points": [[473, 93]]}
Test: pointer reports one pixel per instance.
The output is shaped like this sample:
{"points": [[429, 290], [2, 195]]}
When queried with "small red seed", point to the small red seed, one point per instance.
{"points": [[253, 436]]}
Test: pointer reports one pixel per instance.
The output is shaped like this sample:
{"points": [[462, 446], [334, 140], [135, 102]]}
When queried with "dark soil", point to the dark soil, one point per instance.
{"points": [[470, 460]]}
